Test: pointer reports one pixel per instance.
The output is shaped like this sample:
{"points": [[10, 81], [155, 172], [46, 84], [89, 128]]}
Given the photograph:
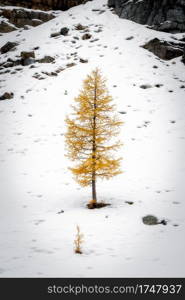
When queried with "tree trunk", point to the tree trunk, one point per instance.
{"points": [[94, 198]]}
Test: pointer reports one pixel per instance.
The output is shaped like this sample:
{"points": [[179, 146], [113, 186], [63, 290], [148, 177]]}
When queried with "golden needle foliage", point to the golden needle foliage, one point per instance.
{"points": [[89, 132]]}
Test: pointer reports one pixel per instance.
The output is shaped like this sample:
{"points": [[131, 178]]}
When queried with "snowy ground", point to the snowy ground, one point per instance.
{"points": [[35, 183]]}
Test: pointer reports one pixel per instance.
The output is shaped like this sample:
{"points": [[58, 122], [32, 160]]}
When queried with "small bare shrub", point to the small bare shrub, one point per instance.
{"points": [[78, 241]]}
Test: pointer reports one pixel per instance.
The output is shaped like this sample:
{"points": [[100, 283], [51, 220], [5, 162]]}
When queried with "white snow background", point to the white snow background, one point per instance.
{"points": [[35, 183]]}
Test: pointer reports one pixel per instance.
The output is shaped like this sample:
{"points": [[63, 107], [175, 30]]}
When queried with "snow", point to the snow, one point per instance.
{"points": [[35, 183]]}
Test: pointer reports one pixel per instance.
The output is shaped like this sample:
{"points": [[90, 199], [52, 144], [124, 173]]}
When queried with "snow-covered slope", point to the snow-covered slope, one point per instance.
{"points": [[35, 183]]}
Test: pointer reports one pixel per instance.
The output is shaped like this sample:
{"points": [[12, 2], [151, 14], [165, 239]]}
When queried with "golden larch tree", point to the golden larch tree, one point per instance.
{"points": [[88, 135]]}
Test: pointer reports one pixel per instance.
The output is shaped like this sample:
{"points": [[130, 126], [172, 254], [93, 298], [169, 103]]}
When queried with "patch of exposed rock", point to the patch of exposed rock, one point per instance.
{"points": [[164, 50], [162, 15], [18, 17], [45, 4]]}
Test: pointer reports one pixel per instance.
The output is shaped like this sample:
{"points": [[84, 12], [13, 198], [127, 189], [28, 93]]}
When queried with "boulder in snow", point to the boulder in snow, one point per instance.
{"points": [[6, 96], [28, 57], [80, 27], [162, 49], [27, 54], [150, 220], [64, 31], [55, 34], [86, 36], [46, 59], [8, 46]]}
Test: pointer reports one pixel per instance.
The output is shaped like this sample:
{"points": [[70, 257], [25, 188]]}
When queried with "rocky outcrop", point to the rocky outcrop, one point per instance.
{"points": [[18, 17], [45, 4], [164, 50], [162, 15]]}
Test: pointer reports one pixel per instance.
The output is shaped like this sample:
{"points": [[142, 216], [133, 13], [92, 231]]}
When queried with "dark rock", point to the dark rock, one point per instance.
{"points": [[6, 96], [94, 40], [158, 85], [99, 11], [38, 76], [163, 15], [86, 36], [163, 222], [122, 112], [54, 34], [80, 27], [28, 61], [164, 50], [8, 64], [60, 212], [150, 220], [129, 202], [46, 59], [32, 67], [182, 39], [27, 58], [27, 54], [64, 31], [129, 38], [145, 86], [70, 65], [5, 27], [8, 46], [50, 73], [21, 17], [82, 60], [11, 63]]}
